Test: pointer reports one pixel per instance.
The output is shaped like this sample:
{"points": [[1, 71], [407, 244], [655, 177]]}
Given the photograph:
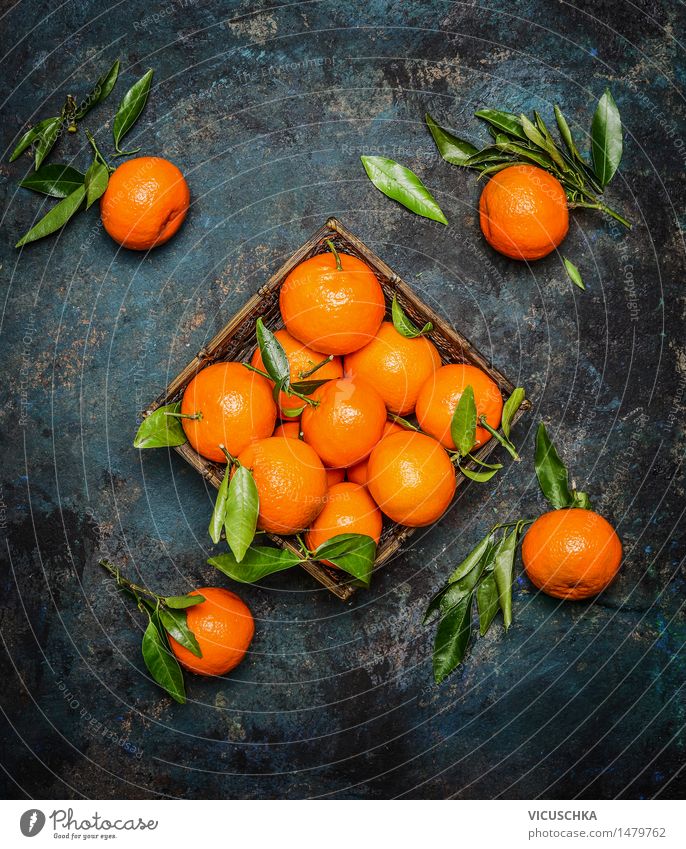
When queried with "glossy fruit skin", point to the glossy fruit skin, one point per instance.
{"points": [[301, 359], [439, 396], [523, 212], [571, 553], [349, 509], [236, 406], [397, 367], [332, 311], [288, 428], [358, 472], [145, 203], [346, 424], [223, 626], [291, 483], [411, 478]]}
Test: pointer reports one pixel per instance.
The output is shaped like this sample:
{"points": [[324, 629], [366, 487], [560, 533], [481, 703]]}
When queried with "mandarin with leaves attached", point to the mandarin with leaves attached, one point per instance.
{"points": [[223, 627]]}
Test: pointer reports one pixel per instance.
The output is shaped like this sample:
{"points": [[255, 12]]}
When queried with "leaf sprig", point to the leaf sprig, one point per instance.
{"points": [[463, 432], [352, 553], [62, 181], [166, 616], [518, 139], [486, 574]]}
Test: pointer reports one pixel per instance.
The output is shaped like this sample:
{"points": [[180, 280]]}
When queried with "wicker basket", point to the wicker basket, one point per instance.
{"points": [[236, 341]]}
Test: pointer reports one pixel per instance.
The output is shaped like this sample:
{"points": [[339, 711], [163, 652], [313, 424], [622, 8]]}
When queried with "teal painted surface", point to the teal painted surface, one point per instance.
{"points": [[267, 111]]}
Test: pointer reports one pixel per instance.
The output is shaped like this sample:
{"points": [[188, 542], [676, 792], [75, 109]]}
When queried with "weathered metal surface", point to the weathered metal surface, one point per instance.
{"points": [[267, 112]]}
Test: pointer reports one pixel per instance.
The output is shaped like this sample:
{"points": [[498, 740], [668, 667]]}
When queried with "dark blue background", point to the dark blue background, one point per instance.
{"points": [[266, 111]]}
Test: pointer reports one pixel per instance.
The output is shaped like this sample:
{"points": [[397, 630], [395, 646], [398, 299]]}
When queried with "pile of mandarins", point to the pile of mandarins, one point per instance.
{"points": [[332, 462]]}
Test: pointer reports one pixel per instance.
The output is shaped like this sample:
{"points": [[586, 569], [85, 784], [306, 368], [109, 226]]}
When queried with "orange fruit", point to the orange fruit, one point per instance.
{"points": [[289, 429], [235, 405], [346, 423], [441, 392], [223, 626], [290, 480], [334, 476], [145, 202], [571, 553], [397, 367], [330, 310], [301, 359], [523, 212], [349, 509], [358, 472], [411, 478]]}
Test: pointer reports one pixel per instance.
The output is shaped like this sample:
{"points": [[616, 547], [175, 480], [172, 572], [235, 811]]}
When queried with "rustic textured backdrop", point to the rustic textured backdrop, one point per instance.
{"points": [[267, 110]]}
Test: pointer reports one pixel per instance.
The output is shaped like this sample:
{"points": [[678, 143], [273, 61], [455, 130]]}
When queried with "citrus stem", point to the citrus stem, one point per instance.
{"points": [[503, 440], [134, 589], [332, 248], [256, 370], [101, 159], [196, 416], [403, 422], [304, 374], [230, 459]]}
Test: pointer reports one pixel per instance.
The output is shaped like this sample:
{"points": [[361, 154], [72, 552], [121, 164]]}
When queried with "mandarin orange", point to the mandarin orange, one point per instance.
{"points": [[411, 478], [571, 553], [223, 626], [233, 405], [349, 509], [291, 483], [145, 203], [333, 303], [523, 212], [396, 366], [358, 472], [438, 399], [346, 423]]}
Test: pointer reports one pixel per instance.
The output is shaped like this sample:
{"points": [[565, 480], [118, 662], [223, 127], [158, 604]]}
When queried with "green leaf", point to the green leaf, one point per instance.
{"points": [[463, 423], [506, 121], [55, 180], [175, 623], [47, 140], [159, 430], [353, 553], [536, 156], [581, 500], [513, 403], [452, 638], [501, 438], [97, 178], [402, 185], [542, 141], [219, 512], [31, 136], [487, 602], [293, 412], [130, 108], [573, 273], [606, 139], [566, 135], [479, 477], [453, 150], [483, 464], [503, 567], [56, 218], [257, 563], [161, 663], [454, 590], [273, 356], [307, 387], [100, 91], [241, 512], [180, 602], [551, 471], [403, 324]]}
